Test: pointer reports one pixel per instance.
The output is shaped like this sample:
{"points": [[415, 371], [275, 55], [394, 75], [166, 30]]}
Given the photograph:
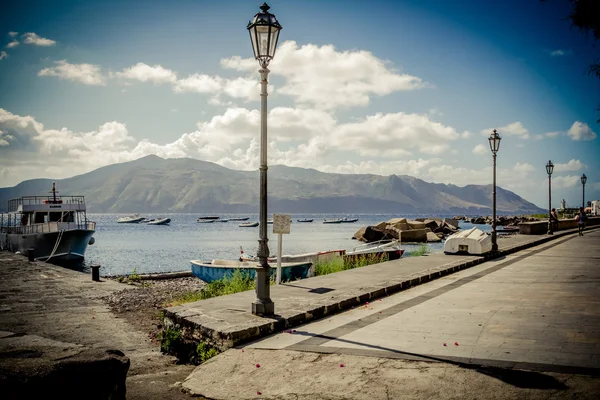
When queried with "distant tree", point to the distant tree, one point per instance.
{"points": [[585, 15]]}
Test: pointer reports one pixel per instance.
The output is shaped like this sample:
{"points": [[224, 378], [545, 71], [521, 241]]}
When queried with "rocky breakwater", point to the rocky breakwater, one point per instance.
{"points": [[500, 220], [420, 230]]}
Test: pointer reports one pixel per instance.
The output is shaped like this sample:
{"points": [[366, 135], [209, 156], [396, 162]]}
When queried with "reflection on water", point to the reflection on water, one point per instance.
{"points": [[121, 248]]}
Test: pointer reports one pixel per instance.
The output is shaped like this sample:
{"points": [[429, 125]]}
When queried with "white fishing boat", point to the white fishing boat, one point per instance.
{"points": [[56, 228], [221, 220], [248, 224], [131, 219], [159, 221], [205, 221], [333, 221]]}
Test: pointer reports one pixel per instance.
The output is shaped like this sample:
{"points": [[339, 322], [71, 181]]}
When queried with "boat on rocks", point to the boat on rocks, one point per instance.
{"points": [[248, 224], [131, 219], [159, 221], [56, 228], [219, 269]]}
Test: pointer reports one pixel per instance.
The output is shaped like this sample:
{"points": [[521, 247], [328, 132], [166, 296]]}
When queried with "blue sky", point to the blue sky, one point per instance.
{"points": [[383, 87]]}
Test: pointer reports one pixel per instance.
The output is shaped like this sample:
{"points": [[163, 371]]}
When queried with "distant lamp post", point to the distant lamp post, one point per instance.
{"points": [[494, 140], [549, 169], [583, 181], [264, 33]]}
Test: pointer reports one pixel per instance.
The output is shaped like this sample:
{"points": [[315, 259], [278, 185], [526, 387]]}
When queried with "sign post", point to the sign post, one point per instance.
{"points": [[281, 225]]}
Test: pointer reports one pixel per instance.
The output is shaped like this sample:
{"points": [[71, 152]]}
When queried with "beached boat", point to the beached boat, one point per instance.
{"points": [[239, 219], [348, 220], [248, 224], [131, 219], [159, 221], [314, 257], [219, 269], [383, 250], [305, 220], [270, 221], [471, 241], [205, 221], [333, 221], [56, 228]]}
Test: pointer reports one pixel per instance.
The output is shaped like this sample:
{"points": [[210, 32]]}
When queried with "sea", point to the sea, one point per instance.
{"points": [[122, 249]]}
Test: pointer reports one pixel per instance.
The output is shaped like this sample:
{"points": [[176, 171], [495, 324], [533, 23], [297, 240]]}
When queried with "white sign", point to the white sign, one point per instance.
{"points": [[281, 223]]}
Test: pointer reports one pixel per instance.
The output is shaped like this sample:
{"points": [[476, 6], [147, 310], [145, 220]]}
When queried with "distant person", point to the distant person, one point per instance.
{"points": [[580, 218], [554, 219]]}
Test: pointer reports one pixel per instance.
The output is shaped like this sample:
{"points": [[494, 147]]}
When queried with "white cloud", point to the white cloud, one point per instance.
{"points": [[146, 73], [557, 53], [33, 38], [581, 131], [13, 34], [552, 134], [563, 182], [87, 74], [3, 55], [523, 168], [12, 44], [323, 77], [479, 149], [243, 88], [572, 165], [514, 129]]}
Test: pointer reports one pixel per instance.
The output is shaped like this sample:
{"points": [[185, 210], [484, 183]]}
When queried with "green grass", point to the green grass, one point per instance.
{"points": [[238, 282], [421, 251], [540, 216], [338, 264]]}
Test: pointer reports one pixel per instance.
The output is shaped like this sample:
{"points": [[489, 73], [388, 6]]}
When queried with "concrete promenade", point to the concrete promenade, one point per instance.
{"points": [[227, 321], [526, 325]]}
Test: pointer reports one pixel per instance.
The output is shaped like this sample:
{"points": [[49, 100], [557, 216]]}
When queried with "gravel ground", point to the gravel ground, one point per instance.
{"points": [[142, 304]]}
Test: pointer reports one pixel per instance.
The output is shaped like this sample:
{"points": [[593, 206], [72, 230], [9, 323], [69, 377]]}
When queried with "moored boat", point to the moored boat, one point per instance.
{"points": [[209, 217], [221, 220], [305, 220], [131, 219], [56, 228], [333, 221], [159, 221], [205, 221], [219, 269], [248, 224], [239, 219], [348, 220]]}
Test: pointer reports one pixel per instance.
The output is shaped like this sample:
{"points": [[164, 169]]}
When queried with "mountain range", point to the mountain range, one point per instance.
{"points": [[152, 185]]}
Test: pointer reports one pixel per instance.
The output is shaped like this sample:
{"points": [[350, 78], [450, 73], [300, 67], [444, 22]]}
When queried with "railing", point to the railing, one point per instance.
{"points": [[13, 204], [47, 227]]}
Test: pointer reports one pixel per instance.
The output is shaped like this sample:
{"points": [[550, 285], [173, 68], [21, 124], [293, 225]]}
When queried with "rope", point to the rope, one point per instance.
{"points": [[58, 239]]}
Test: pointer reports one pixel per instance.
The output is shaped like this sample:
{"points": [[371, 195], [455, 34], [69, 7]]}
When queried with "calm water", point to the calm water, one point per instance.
{"points": [[121, 248]]}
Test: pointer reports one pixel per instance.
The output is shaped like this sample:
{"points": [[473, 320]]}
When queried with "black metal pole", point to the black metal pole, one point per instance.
{"points": [[583, 197], [550, 204], [494, 243]]}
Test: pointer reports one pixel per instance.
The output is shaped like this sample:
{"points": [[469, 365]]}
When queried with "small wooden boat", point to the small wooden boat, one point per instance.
{"points": [[239, 219], [205, 221], [348, 220], [159, 221], [305, 220], [333, 221], [219, 269], [472, 241], [248, 224]]}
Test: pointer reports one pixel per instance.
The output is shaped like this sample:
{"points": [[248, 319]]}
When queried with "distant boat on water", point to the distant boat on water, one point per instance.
{"points": [[131, 219], [221, 220], [239, 219], [305, 220], [348, 220], [248, 224], [333, 221], [205, 221], [209, 217], [159, 221]]}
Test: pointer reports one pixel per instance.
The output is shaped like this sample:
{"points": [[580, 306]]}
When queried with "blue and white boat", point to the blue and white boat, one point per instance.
{"points": [[219, 269]]}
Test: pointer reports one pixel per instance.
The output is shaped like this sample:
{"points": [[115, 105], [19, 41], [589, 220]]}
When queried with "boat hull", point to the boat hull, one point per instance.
{"points": [[213, 272], [71, 247]]}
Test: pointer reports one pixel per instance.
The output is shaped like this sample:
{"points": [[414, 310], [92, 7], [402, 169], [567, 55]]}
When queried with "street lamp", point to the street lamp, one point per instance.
{"points": [[494, 140], [583, 181], [549, 169], [264, 33]]}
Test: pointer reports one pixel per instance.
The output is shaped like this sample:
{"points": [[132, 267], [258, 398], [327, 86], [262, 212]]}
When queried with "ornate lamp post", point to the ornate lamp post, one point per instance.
{"points": [[583, 181], [549, 169], [494, 140], [264, 33]]}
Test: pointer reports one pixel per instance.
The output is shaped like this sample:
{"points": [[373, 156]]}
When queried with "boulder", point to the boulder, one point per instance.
{"points": [[373, 234], [398, 223], [359, 235], [432, 224], [34, 367], [414, 235], [381, 225], [416, 225], [432, 237], [451, 221]]}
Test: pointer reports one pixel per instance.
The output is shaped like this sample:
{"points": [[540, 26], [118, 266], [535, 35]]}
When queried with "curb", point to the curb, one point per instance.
{"points": [[224, 340]]}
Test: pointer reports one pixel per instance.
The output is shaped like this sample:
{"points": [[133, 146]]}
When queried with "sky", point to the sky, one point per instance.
{"points": [[381, 87]]}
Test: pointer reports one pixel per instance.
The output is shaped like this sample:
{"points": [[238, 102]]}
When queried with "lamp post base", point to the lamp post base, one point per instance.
{"points": [[263, 309], [550, 232]]}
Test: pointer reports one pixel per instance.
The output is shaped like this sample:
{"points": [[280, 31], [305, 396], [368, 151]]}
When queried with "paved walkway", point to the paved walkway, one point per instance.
{"points": [[226, 321], [536, 310]]}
